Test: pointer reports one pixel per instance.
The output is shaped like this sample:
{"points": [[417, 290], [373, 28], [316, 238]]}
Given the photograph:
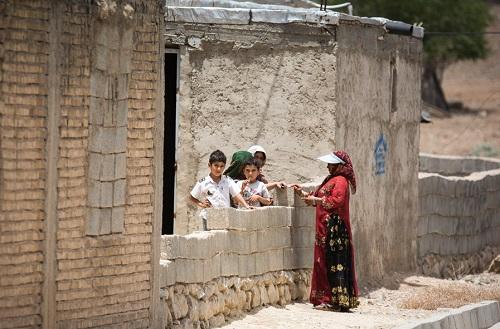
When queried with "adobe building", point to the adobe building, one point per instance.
{"points": [[109, 109]]}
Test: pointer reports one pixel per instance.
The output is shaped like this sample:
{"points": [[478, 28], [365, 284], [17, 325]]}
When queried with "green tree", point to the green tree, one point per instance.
{"points": [[461, 21]]}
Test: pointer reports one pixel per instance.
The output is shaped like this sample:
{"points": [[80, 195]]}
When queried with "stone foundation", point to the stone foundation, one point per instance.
{"points": [[210, 304], [458, 265]]}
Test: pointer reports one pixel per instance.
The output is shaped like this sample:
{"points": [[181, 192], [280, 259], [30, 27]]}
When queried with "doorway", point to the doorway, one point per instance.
{"points": [[171, 118]]}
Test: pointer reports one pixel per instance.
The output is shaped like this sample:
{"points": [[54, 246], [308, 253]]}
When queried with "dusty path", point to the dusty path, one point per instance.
{"points": [[380, 308], [302, 316]]}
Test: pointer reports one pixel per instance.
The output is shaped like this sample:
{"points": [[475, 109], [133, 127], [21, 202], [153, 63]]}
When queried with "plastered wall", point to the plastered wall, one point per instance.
{"points": [[244, 90], [377, 122], [335, 91]]}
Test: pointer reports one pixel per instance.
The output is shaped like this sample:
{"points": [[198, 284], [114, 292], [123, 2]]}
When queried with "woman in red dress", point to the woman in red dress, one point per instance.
{"points": [[333, 282]]}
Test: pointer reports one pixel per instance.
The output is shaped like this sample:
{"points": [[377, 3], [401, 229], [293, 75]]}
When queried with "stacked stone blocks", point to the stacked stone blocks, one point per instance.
{"points": [[248, 258], [459, 216]]}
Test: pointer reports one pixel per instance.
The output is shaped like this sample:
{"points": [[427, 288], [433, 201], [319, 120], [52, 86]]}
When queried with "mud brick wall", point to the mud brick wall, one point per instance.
{"points": [[24, 49], [459, 216], [54, 271]]}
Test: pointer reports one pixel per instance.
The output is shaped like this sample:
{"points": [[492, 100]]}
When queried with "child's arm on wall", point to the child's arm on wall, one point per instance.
{"points": [[263, 200], [198, 203], [240, 200]]}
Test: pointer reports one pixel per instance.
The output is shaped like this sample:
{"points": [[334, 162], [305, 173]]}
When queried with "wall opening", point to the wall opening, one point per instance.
{"points": [[170, 139], [394, 84]]}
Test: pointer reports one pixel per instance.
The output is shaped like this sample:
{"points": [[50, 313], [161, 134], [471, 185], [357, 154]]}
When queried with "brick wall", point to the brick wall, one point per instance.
{"points": [[48, 54], [24, 48]]}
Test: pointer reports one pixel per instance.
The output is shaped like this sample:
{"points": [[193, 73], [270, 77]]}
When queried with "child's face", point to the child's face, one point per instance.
{"points": [[261, 157], [251, 173], [216, 168]]}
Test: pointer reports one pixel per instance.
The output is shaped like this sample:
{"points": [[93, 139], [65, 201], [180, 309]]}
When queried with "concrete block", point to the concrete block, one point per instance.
{"points": [[229, 264], [96, 110], [125, 62], [169, 247], [269, 16], [242, 242], [211, 268], [278, 216], [108, 168], [202, 244], [218, 219], [120, 165], [106, 194], [273, 238], [117, 219], [302, 237], [168, 273], [95, 139], [95, 164], [107, 109], [283, 197], [119, 192], [298, 258], [121, 140], [105, 218], [94, 193], [276, 260], [189, 270], [304, 216], [113, 65], [442, 225], [122, 86], [422, 228], [121, 113], [99, 80], [247, 265], [262, 262], [93, 221]]}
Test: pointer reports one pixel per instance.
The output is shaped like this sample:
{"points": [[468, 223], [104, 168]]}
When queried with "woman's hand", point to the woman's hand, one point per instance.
{"points": [[309, 200], [298, 190]]}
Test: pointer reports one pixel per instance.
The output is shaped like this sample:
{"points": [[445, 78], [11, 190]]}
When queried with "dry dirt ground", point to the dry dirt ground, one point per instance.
{"points": [[409, 299], [474, 130]]}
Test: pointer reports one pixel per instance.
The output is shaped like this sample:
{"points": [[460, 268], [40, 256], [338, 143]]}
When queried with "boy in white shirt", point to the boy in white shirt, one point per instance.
{"points": [[216, 189], [253, 191]]}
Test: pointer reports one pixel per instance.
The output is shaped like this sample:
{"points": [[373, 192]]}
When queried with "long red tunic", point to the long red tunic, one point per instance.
{"points": [[335, 195]]}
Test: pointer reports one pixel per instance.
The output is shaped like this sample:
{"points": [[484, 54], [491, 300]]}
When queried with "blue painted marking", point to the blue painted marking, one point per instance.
{"points": [[379, 153]]}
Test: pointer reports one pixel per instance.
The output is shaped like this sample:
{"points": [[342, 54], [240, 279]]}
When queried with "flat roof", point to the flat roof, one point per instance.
{"points": [[230, 12]]}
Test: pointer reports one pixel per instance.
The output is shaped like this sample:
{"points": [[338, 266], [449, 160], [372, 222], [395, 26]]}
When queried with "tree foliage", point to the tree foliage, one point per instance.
{"points": [[452, 16]]}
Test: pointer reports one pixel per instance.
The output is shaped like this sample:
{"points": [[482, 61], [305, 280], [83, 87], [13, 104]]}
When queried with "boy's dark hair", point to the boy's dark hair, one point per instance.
{"points": [[217, 156], [253, 161]]}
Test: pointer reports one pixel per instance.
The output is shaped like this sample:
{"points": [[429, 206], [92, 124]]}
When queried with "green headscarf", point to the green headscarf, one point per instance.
{"points": [[236, 167]]}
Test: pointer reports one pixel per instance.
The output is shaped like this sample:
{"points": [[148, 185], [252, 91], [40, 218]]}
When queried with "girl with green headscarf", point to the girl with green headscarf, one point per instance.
{"points": [[235, 169]]}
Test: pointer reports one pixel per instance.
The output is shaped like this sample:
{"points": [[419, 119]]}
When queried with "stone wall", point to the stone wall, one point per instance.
{"points": [[249, 258], [67, 261], [459, 217]]}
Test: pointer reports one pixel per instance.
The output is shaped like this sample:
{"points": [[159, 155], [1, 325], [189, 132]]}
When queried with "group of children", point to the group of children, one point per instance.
{"points": [[220, 191]]}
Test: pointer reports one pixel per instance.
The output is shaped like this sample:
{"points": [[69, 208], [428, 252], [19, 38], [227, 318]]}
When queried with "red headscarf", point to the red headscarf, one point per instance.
{"points": [[346, 169]]}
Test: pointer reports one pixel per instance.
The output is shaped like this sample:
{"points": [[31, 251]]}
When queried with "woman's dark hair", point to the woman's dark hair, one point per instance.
{"points": [[217, 156], [253, 161]]}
